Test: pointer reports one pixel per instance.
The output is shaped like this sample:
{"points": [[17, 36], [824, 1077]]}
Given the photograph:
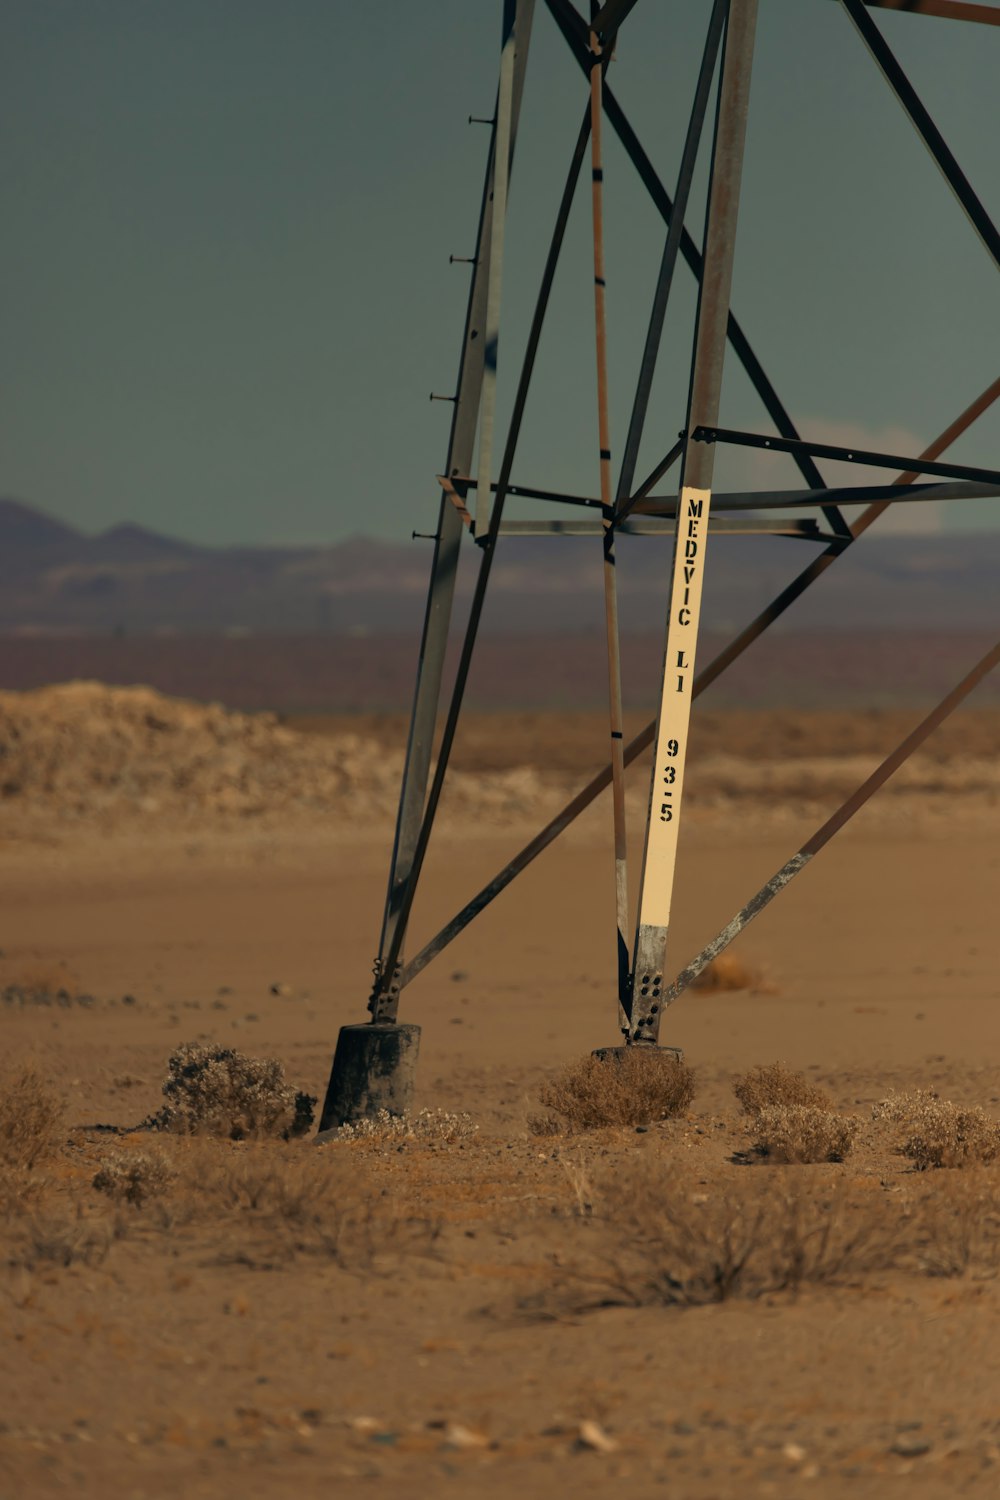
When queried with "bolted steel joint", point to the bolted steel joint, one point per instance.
{"points": [[383, 1004], [646, 989]]}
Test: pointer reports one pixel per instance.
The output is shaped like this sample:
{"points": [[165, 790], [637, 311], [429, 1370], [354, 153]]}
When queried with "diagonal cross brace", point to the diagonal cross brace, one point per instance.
{"points": [[705, 678]]}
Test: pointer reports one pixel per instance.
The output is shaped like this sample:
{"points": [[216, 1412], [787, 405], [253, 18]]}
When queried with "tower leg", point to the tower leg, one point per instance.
{"points": [[384, 1001], [647, 994], [374, 1068]]}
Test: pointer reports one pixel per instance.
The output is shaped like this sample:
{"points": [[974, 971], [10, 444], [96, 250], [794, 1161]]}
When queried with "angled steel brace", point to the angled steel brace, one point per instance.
{"points": [[948, 10], [833, 824], [925, 126], [609, 18]]}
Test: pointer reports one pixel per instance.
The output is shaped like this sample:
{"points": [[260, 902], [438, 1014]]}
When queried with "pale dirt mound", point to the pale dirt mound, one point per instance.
{"points": [[816, 779], [83, 750]]}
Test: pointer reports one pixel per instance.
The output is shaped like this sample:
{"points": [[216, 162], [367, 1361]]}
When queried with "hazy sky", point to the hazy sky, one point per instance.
{"points": [[228, 222]]}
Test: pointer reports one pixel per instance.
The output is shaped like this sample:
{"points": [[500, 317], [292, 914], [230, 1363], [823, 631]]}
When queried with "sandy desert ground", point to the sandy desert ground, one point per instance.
{"points": [[473, 1308]]}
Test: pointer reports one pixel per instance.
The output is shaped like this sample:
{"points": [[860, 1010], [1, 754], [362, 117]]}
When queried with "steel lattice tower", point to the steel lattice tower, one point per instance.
{"points": [[371, 1066]]}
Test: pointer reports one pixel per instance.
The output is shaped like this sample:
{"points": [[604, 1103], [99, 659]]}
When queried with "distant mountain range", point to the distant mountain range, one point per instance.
{"points": [[55, 579]]}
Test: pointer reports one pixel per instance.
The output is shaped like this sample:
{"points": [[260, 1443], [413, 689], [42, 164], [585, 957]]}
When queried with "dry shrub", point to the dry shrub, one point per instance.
{"points": [[634, 1087], [664, 1240], [31, 1119], [133, 1176], [270, 1204], [727, 972], [774, 1085], [800, 1133], [896, 1108], [258, 1181], [219, 1091], [936, 1133]]}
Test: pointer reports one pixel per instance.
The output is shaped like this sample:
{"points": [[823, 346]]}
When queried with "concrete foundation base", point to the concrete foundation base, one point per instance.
{"points": [[615, 1054], [374, 1067]]}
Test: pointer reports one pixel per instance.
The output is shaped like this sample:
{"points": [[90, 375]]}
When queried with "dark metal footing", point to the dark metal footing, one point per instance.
{"points": [[374, 1067], [616, 1054]]}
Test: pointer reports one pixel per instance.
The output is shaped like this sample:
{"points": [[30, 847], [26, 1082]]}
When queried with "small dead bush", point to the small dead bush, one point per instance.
{"points": [[31, 1119], [800, 1133], [663, 1240], [133, 1177], [635, 1087], [727, 972], [219, 1091], [936, 1133], [774, 1084]]}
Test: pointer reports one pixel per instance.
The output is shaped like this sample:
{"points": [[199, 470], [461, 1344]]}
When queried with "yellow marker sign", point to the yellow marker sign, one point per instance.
{"points": [[670, 754]]}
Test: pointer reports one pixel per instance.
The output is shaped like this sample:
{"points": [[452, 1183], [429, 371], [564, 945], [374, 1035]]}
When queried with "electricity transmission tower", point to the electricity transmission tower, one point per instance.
{"points": [[374, 1061]]}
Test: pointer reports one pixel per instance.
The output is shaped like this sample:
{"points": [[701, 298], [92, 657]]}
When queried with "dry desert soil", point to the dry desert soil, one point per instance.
{"points": [[467, 1306]]}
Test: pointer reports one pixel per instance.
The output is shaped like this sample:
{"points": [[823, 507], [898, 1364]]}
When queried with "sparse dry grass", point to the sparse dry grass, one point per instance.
{"points": [[636, 1087], [272, 1203], [933, 1132], [19, 1191], [260, 1203], [956, 1225], [219, 1091], [800, 1133], [56, 1238], [773, 1086], [31, 1119]]}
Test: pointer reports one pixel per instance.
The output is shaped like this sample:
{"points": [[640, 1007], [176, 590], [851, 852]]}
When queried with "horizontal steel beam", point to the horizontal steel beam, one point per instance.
{"points": [[665, 506], [795, 446], [849, 494], [946, 10], [808, 529], [611, 15]]}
